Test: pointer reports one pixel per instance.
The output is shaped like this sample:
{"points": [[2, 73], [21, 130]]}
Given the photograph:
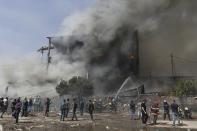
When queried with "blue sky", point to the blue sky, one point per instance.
{"points": [[24, 24]]}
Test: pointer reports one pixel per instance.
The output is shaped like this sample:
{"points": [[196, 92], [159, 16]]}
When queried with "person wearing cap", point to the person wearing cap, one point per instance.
{"points": [[166, 108]]}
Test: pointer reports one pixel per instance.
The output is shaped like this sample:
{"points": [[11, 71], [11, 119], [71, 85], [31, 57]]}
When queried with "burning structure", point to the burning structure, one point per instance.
{"points": [[105, 40], [113, 40], [106, 66]]}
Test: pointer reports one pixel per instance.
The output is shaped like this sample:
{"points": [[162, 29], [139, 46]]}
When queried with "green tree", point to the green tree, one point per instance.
{"points": [[62, 88], [185, 88], [75, 86]]}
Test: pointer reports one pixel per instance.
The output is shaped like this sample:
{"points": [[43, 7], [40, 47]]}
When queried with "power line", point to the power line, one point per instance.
{"points": [[185, 59]]}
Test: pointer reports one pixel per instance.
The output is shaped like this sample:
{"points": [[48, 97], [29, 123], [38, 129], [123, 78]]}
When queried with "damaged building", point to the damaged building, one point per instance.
{"points": [[155, 47]]}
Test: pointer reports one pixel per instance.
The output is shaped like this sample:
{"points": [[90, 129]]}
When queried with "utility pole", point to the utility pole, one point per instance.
{"points": [[47, 48], [49, 53], [172, 65]]}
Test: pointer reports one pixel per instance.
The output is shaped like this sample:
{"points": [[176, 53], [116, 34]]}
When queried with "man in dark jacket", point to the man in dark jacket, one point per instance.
{"points": [[47, 104], [1, 105], [166, 108], [74, 109], [67, 107], [91, 109], [144, 112], [17, 109]]}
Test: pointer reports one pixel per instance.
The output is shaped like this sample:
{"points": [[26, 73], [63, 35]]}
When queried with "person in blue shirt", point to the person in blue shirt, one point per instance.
{"points": [[175, 112], [63, 110]]}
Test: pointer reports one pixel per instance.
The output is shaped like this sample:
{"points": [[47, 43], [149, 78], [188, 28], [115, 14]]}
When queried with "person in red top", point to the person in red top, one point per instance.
{"points": [[155, 112]]}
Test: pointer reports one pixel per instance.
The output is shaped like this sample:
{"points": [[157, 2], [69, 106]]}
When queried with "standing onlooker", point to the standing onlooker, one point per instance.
{"points": [[114, 105], [17, 109], [155, 112], [74, 110], [4, 106], [82, 104], [144, 112], [91, 109], [175, 112], [67, 107], [1, 105], [30, 105], [13, 105], [25, 108], [132, 109], [166, 108], [47, 107], [63, 110]]}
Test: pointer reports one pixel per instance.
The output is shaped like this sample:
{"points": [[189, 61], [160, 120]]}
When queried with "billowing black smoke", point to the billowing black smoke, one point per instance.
{"points": [[107, 64], [102, 44], [105, 39]]}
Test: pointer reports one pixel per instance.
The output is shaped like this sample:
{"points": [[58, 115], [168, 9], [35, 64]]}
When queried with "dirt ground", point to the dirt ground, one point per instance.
{"points": [[102, 122]]}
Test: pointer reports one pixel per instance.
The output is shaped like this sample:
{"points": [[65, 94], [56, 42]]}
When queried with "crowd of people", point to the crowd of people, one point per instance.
{"points": [[65, 108], [176, 112], [26, 106]]}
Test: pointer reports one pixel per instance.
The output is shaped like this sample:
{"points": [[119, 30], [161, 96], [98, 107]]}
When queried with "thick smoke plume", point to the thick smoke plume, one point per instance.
{"points": [[99, 42], [107, 31]]}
